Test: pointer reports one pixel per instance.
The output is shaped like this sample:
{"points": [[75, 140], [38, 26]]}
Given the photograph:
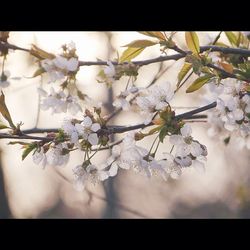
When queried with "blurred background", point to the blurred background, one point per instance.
{"points": [[28, 191]]}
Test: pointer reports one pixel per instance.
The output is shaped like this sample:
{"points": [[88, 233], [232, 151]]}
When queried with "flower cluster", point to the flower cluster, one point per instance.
{"points": [[122, 100], [128, 155], [232, 112], [62, 65], [54, 155], [188, 151], [154, 99], [86, 130], [59, 101]]}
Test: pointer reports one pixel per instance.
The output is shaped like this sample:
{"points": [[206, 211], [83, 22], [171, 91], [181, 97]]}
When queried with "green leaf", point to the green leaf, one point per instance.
{"points": [[41, 54], [4, 111], [231, 38], [140, 44], [163, 133], [3, 126], [156, 34], [184, 70], [38, 72], [198, 83], [192, 41], [18, 142], [130, 53], [28, 148]]}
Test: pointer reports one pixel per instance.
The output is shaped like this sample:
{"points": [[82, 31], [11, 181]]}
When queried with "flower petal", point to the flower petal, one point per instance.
{"points": [[93, 139]]}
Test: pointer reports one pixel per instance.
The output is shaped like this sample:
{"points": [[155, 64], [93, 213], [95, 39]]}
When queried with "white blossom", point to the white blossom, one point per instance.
{"points": [[90, 173], [87, 129], [154, 99], [59, 102]]}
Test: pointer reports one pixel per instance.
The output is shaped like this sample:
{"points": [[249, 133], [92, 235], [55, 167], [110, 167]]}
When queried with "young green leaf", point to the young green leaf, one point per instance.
{"points": [[18, 142], [28, 148], [130, 53], [156, 34], [3, 126], [41, 54], [192, 41], [184, 70], [140, 44], [4, 111], [231, 38], [227, 67], [163, 134], [38, 72], [198, 83]]}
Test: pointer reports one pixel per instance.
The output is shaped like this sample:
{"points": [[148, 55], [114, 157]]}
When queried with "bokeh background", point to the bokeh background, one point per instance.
{"points": [[28, 191]]}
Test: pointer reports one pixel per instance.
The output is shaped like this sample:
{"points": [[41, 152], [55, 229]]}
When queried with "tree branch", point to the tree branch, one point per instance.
{"points": [[110, 129], [213, 48]]}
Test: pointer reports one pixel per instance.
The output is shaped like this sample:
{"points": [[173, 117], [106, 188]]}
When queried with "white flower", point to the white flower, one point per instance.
{"points": [[66, 64], [154, 99], [59, 67], [185, 144], [92, 173], [71, 130], [40, 157], [87, 130], [73, 105], [55, 155], [109, 71], [59, 102], [171, 167]]}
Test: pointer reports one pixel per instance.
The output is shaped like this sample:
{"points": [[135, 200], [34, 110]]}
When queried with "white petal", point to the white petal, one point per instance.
{"points": [[95, 127], [238, 114], [103, 175], [93, 139], [72, 64], [79, 128], [176, 139], [74, 137], [186, 130], [176, 172], [183, 150], [196, 149], [113, 170], [87, 122], [37, 157]]}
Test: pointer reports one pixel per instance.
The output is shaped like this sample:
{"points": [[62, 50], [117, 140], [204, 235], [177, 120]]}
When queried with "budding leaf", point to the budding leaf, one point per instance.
{"points": [[38, 72], [185, 69], [227, 67], [39, 53], [3, 126], [4, 111], [198, 83], [231, 38], [156, 34], [28, 149], [163, 133], [140, 44], [130, 53], [192, 41], [18, 142]]}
